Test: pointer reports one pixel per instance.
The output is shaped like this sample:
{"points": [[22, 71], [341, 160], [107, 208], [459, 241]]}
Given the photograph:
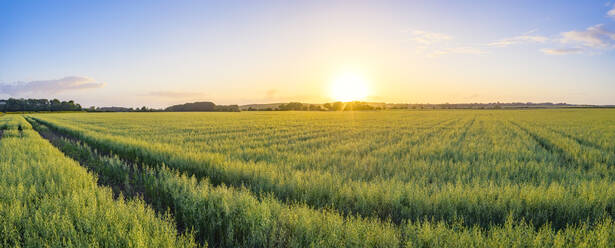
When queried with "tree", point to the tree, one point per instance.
{"points": [[337, 106], [14, 105], [328, 106], [292, 106], [203, 107]]}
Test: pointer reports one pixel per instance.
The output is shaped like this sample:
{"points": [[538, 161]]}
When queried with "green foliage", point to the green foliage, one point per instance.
{"points": [[22, 105], [202, 107], [293, 106], [234, 217], [231, 217], [399, 165], [430, 178], [48, 200]]}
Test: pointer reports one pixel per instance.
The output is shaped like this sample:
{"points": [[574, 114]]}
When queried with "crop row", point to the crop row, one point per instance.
{"points": [[461, 173], [231, 217], [48, 200], [363, 152]]}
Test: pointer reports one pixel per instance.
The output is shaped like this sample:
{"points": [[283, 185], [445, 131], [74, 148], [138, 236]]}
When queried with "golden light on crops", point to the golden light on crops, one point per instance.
{"points": [[349, 86]]}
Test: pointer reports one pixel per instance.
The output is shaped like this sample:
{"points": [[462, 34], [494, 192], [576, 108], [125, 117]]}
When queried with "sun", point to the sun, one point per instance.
{"points": [[348, 87]]}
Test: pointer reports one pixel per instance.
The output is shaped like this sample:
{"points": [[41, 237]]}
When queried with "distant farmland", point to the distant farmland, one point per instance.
{"points": [[396, 178]]}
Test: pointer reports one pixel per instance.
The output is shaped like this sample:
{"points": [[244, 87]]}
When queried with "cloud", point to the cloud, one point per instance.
{"points": [[592, 40], [174, 94], [521, 39], [428, 38], [561, 51], [429, 44], [457, 50], [53, 86], [593, 37], [611, 12]]}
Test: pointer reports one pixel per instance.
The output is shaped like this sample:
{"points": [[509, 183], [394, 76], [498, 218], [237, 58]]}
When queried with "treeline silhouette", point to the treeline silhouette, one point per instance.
{"points": [[24, 105], [202, 107], [335, 106], [45, 105], [493, 105], [122, 109], [357, 106], [186, 107]]}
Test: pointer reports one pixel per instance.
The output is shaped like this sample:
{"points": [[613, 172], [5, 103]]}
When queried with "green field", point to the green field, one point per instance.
{"points": [[466, 178], [48, 200]]}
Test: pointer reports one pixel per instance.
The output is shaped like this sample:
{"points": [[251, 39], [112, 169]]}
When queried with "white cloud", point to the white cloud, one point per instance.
{"points": [[593, 37], [53, 86], [430, 44], [521, 39], [561, 51], [428, 38]]}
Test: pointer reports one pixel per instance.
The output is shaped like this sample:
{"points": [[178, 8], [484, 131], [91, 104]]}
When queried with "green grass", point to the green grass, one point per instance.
{"points": [[234, 217], [479, 166], [229, 217], [423, 178], [48, 200]]}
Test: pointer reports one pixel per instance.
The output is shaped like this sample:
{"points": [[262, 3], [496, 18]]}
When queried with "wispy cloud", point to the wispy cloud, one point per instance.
{"points": [[611, 12], [428, 38], [520, 39], [593, 40], [175, 94], [457, 50], [561, 51], [595, 36], [432, 44], [53, 86]]}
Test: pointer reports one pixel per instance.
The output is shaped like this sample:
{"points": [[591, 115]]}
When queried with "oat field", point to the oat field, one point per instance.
{"points": [[407, 178]]}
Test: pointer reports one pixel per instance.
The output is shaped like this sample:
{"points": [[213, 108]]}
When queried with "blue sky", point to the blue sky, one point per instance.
{"points": [[156, 53]]}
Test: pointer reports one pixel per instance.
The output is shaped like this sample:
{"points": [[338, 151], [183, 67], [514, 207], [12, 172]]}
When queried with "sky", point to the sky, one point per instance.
{"points": [[159, 53]]}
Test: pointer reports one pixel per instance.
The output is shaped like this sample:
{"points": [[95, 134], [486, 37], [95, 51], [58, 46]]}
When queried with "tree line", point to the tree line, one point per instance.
{"points": [[122, 109], [202, 107], [22, 105], [335, 106], [44, 105]]}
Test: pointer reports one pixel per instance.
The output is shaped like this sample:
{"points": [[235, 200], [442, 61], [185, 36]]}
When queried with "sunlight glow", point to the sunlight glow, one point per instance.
{"points": [[349, 86]]}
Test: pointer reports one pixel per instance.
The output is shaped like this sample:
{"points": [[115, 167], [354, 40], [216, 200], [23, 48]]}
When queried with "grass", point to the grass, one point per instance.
{"points": [[482, 178], [399, 165], [48, 200]]}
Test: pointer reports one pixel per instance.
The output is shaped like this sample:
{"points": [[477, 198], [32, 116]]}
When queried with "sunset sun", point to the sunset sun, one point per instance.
{"points": [[349, 87]]}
